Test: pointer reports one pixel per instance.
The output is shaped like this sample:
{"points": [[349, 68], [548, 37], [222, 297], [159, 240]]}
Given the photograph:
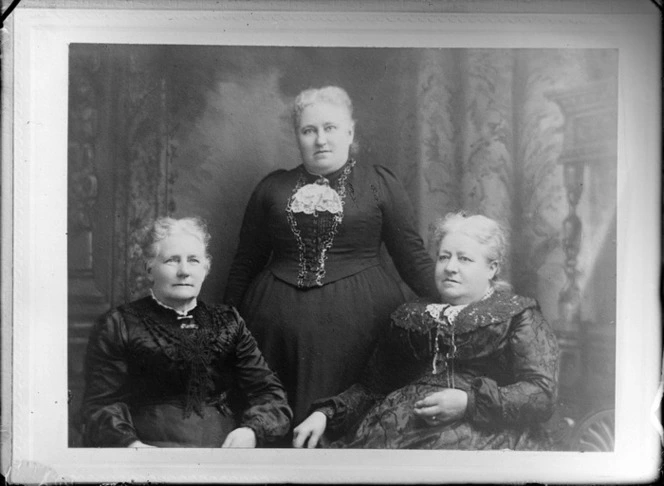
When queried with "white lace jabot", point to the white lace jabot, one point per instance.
{"points": [[316, 197], [448, 311]]}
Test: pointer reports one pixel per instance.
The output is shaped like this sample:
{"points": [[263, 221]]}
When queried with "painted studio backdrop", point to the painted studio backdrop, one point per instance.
{"points": [[526, 136]]}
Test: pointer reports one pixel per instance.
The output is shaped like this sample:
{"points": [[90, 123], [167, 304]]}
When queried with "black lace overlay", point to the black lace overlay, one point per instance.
{"points": [[142, 362], [192, 349], [505, 359]]}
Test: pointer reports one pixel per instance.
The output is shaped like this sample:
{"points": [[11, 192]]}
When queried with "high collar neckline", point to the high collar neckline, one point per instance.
{"points": [[180, 313], [331, 176]]}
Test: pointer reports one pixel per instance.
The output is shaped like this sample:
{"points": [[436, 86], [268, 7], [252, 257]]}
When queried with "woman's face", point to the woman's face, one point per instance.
{"points": [[463, 274], [179, 270], [324, 136]]}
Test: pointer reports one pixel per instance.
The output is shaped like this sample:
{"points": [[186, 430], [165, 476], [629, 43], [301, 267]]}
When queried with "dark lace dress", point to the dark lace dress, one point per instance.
{"points": [[311, 283], [506, 359], [169, 381]]}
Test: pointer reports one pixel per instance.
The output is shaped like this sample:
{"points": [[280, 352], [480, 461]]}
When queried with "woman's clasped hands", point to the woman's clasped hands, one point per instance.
{"points": [[442, 406]]}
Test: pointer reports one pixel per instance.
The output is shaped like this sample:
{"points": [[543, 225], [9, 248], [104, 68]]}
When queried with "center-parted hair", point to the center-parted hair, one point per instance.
{"points": [[486, 231], [328, 94], [162, 228]]}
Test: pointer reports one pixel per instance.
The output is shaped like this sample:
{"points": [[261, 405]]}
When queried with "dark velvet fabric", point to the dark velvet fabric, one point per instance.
{"points": [[148, 379], [319, 337], [506, 360]]}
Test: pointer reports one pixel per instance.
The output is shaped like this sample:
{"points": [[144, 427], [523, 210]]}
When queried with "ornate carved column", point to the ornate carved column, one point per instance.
{"points": [[143, 178], [85, 301], [120, 177], [590, 129]]}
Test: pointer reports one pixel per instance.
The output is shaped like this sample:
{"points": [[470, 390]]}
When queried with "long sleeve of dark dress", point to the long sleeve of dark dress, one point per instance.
{"points": [[374, 193], [266, 411], [130, 363], [106, 415], [526, 391], [255, 243], [401, 237], [400, 357], [507, 362]]}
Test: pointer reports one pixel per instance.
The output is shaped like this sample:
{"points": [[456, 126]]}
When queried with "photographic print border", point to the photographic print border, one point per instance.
{"points": [[34, 227]]}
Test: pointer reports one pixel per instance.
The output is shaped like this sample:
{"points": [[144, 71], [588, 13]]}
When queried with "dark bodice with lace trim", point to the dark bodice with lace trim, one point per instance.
{"points": [[308, 250], [506, 359], [140, 355]]}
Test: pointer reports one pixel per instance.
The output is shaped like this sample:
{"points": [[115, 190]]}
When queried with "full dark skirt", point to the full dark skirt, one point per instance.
{"points": [[319, 340], [164, 425], [391, 424]]}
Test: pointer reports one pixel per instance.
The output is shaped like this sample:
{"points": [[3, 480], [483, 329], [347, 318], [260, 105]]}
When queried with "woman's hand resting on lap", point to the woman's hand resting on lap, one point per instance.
{"points": [[443, 406], [309, 432], [240, 437], [137, 444]]}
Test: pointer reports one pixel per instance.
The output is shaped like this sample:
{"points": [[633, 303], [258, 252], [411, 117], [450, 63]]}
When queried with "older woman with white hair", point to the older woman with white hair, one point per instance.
{"points": [[309, 276], [476, 370], [167, 370]]}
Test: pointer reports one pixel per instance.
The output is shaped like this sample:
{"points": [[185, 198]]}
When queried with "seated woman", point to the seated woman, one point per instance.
{"points": [[476, 371], [161, 371]]}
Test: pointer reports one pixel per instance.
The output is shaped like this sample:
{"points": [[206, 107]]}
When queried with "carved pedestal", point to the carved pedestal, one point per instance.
{"points": [[119, 178], [589, 141]]}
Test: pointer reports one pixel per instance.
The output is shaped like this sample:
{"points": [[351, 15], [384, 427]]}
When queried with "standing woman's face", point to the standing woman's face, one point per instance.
{"points": [[324, 136]]}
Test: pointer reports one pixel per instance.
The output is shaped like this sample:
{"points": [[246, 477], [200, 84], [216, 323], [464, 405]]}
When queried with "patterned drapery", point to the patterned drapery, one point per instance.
{"points": [[183, 130], [489, 142], [494, 138]]}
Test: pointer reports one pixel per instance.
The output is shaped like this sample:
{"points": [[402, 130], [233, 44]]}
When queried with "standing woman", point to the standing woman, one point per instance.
{"points": [[308, 276]]}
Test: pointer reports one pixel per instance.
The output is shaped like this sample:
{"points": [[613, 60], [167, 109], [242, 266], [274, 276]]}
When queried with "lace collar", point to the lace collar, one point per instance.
{"points": [[497, 307], [185, 314], [447, 313]]}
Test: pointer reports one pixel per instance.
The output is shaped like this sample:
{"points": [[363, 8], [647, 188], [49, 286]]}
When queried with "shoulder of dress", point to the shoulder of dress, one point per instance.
{"points": [[114, 323], [224, 314], [414, 316], [221, 308], [376, 172], [529, 309], [385, 181], [112, 312], [110, 317], [499, 308], [525, 302], [275, 177], [279, 173], [387, 175], [383, 171], [134, 308], [517, 304]]}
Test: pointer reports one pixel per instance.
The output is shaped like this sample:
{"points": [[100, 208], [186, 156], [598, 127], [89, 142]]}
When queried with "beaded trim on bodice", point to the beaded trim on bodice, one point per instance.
{"points": [[325, 205]]}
